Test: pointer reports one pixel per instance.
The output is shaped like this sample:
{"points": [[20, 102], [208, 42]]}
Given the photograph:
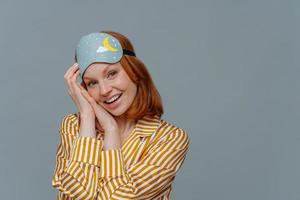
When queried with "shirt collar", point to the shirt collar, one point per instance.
{"points": [[147, 125]]}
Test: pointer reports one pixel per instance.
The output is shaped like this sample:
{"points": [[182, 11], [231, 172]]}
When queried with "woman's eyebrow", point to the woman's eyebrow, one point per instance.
{"points": [[104, 71]]}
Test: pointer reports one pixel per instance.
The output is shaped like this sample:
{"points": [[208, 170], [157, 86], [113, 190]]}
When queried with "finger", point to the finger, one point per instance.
{"points": [[74, 76], [71, 70], [89, 98], [83, 85], [84, 93], [69, 74], [72, 83], [82, 88]]}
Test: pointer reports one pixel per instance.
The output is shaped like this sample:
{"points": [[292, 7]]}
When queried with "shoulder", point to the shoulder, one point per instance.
{"points": [[69, 123], [168, 131]]}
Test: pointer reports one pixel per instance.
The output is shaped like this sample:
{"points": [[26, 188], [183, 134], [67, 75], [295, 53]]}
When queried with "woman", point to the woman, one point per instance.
{"points": [[116, 146]]}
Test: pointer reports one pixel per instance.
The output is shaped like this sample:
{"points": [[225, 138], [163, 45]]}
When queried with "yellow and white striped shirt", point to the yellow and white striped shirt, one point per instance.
{"points": [[143, 168]]}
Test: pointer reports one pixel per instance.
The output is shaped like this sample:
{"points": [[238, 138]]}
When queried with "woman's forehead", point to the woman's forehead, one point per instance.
{"points": [[97, 68]]}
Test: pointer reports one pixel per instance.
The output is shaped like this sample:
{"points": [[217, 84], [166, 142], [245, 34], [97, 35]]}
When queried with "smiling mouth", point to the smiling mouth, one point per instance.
{"points": [[118, 97]]}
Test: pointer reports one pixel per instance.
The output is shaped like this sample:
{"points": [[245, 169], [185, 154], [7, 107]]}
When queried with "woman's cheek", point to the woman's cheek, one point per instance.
{"points": [[93, 95]]}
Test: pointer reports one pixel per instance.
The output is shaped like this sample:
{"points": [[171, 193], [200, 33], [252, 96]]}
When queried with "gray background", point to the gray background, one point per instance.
{"points": [[227, 70]]}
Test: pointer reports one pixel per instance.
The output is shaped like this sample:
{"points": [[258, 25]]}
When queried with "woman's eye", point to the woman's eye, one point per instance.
{"points": [[111, 73], [89, 84]]}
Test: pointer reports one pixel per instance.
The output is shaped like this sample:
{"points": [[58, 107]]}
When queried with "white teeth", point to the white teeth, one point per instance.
{"points": [[112, 99]]}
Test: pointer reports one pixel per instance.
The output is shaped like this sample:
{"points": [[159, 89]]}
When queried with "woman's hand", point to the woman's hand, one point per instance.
{"points": [[110, 127], [74, 91], [105, 119], [87, 115]]}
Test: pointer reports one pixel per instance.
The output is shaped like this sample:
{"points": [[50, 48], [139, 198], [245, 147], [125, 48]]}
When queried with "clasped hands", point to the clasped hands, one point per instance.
{"points": [[90, 111]]}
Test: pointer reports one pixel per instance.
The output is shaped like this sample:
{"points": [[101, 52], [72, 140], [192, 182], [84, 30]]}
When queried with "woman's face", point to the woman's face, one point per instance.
{"points": [[110, 86]]}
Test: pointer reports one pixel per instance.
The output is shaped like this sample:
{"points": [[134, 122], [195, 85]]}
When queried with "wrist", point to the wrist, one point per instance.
{"points": [[87, 126], [86, 116], [87, 131], [112, 130]]}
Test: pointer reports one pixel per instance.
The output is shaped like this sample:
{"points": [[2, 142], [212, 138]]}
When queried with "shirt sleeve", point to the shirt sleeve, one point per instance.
{"points": [[150, 177], [77, 163]]}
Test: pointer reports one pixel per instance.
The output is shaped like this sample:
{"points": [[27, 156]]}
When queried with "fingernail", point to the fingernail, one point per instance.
{"points": [[76, 64]]}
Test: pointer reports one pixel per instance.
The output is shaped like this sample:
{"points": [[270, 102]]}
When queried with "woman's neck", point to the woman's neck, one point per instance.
{"points": [[125, 125]]}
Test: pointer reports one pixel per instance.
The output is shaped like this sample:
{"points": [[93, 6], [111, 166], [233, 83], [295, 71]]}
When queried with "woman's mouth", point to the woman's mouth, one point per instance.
{"points": [[113, 99], [113, 102]]}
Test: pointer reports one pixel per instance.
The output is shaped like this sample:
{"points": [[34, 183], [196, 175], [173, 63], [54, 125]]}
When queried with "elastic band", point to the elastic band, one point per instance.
{"points": [[128, 52]]}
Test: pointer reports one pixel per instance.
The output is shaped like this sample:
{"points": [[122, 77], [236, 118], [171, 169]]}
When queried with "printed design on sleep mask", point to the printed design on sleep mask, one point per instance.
{"points": [[106, 46]]}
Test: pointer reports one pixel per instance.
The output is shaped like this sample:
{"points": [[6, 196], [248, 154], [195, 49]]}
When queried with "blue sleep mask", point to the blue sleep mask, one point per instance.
{"points": [[98, 47]]}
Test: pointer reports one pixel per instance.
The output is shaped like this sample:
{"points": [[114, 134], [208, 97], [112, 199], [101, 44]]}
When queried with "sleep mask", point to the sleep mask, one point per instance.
{"points": [[98, 47]]}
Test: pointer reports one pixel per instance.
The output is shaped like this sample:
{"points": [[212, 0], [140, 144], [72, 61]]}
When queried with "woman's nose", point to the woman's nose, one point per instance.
{"points": [[105, 89]]}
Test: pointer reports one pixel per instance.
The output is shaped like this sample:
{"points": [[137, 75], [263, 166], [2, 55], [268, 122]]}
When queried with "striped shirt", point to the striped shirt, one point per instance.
{"points": [[143, 168]]}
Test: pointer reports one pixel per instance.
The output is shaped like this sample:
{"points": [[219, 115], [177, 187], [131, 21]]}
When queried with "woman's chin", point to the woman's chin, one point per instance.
{"points": [[115, 113]]}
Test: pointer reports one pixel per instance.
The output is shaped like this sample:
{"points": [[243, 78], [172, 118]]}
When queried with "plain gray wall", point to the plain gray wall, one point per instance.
{"points": [[227, 70]]}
